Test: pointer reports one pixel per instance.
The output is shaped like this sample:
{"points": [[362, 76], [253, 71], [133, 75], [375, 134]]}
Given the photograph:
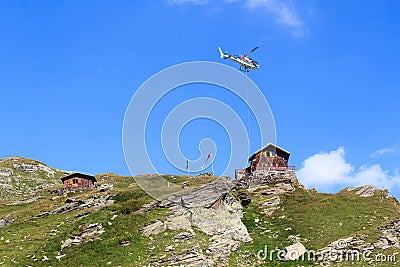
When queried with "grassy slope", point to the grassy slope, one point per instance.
{"points": [[31, 240], [315, 217], [24, 183], [318, 219]]}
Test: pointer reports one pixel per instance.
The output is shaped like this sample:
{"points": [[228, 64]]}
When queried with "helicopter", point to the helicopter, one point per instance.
{"points": [[246, 62]]}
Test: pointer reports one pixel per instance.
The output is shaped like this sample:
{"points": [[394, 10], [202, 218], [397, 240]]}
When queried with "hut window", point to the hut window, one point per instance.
{"points": [[74, 181]]}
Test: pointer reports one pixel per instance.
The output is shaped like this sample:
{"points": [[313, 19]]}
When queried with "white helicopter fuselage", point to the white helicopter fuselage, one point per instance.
{"points": [[244, 61]]}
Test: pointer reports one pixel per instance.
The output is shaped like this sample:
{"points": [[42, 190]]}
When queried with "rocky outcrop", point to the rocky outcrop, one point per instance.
{"points": [[204, 196], [270, 195], [192, 257], [23, 201], [154, 228], [356, 246], [366, 191], [90, 233], [213, 210], [21, 177], [28, 167], [252, 183], [270, 205], [221, 246], [342, 249], [183, 236], [6, 172], [391, 234], [73, 205]]}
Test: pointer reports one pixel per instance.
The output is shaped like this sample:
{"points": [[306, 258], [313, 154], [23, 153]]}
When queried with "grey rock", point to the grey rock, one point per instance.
{"points": [[104, 187], [6, 172], [204, 196], [273, 201], [217, 222], [192, 257], [213, 210], [294, 252], [23, 201], [169, 248], [366, 191], [70, 241], [383, 243], [184, 236], [154, 228], [221, 247], [393, 240], [91, 232], [97, 201], [4, 222], [92, 229]]}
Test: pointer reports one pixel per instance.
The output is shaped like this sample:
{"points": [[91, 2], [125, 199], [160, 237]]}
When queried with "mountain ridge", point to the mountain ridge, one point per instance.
{"points": [[215, 222]]}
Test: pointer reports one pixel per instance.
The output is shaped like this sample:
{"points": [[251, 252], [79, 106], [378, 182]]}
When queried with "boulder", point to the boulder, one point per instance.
{"points": [[217, 222], [383, 243], [294, 252], [154, 228]]}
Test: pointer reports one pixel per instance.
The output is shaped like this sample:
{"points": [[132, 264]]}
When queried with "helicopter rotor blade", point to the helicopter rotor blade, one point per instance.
{"points": [[251, 51]]}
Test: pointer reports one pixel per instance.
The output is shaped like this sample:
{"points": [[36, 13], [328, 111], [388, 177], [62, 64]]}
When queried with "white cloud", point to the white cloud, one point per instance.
{"points": [[325, 169], [385, 150], [376, 176], [284, 13], [328, 171]]}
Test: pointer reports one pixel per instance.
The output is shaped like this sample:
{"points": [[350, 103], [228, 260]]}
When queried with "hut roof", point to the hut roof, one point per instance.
{"points": [[79, 175], [277, 148]]}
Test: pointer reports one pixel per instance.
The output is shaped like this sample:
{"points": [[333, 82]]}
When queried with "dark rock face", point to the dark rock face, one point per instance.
{"points": [[245, 198]]}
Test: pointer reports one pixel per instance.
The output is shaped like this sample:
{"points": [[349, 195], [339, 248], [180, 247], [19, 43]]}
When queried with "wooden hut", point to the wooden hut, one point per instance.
{"points": [[269, 158], [78, 181]]}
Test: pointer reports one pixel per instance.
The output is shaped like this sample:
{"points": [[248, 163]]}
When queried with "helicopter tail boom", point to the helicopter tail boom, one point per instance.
{"points": [[222, 55]]}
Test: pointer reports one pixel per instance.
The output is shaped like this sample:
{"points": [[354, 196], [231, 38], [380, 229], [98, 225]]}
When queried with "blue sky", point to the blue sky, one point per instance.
{"points": [[329, 70]]}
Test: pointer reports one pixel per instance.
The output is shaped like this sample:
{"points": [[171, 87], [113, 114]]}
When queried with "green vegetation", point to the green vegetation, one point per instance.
{"points": [[316, 219]]}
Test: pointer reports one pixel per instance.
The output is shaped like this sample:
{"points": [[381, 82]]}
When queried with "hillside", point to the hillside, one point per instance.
{"points": [[21, 176], [215, 222]]}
